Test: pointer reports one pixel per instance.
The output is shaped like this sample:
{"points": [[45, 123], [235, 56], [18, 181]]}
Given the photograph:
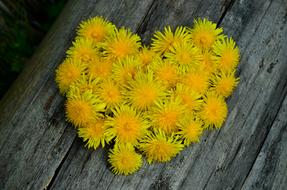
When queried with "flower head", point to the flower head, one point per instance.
{"points": [[122, 44], [93, 133], [146, 56], [191, 99], [159, 147], [185, 55], [127, 125], [124, 160], [197, 81], [67, 73], [224, 83], [164, 41], [82, 108], [100, 68], [204, 33], [110, 93], [165, 115], [165, 72], [226, 54], [214, 110], [190, 129], [83, 50], [125, 69], [207, 63], [144, 91], [96, 29], [85, 83]]}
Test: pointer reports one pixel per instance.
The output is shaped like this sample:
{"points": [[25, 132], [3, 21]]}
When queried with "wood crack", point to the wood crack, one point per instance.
{"points": [[51, 182], [266, 135], [143, 24], [227, 6]]}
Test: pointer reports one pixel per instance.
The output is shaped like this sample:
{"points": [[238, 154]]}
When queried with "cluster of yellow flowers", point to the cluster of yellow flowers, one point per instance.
{"points": [[150, 101]]}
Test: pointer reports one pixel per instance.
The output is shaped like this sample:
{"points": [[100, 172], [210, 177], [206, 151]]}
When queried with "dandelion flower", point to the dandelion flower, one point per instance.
{"points": [[127, 125], [96, 29], [185, 55], [224, 83], [84, 84], [190, 129], [197, 81], [159, 147], [188, 97], [93, 133], [82, 108], [226, 54], [164, 41], [125, 69], [207, 64], [122, 44], [110, 93], [67, 73], [204, 33], [146, 56], [165, 115], [124, 160], [101, 68], [144, 91], [165, 72], [214, 110], [84, 50]]}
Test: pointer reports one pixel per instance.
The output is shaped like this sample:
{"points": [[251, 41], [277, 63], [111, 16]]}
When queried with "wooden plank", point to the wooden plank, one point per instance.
{"points": [[225, 157], [34, 137], [270, 168]]}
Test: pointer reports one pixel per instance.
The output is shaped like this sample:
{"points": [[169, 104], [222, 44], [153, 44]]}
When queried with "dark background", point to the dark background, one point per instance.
{"points": [[23, 24]]}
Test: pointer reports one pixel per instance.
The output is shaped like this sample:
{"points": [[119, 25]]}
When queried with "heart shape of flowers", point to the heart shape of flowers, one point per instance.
{"points": [[151, 101]]}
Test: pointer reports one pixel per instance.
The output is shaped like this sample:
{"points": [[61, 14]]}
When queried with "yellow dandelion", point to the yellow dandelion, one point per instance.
{"points": [[185, 55], [144, 91], [191, 99], [82, 108], [67, 73], [124, 160], [165, 72], [226, 54], [197, 80], [123, 43], [165, 115], [163, 41], [125, 69], [110, 93], [207, 64], [127, 125], [100, 68], [93, 133], [84, 84], [204, 33], [146, 56], [224, 83], [159, 147], [96, 29], [214, 110], [84, 50], [190, 129]]}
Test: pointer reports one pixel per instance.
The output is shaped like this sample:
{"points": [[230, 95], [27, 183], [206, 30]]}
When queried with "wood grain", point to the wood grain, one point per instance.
{"points": [[39, 150]]}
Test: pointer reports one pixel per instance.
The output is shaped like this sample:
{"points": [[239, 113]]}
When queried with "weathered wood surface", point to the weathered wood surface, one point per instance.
{"points": [[40, 150]]}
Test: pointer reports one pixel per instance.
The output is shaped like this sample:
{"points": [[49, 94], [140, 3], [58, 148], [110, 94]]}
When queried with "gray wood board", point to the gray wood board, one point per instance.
{"points": [[39, 149]]}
